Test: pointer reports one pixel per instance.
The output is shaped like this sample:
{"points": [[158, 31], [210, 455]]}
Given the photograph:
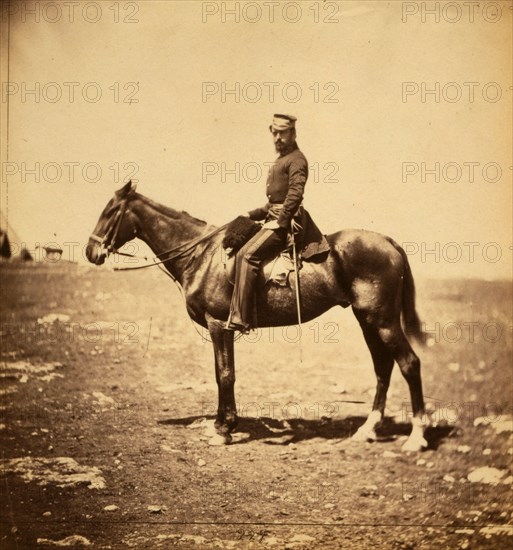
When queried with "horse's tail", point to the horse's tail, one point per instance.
{"points": [[411, 321]]}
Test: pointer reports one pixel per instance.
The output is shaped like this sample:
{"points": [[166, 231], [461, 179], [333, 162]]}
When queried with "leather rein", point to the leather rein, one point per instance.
{"points": [[108, 240]]}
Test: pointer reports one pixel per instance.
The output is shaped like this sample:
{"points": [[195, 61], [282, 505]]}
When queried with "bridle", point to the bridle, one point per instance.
{"points": [[107, 242]]}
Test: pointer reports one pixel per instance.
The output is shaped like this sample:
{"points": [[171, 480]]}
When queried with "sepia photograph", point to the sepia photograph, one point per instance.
{"points": [[256, 268]]}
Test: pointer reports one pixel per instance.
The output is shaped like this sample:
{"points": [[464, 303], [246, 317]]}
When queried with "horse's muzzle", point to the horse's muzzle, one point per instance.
{"points": [[94, 253]]}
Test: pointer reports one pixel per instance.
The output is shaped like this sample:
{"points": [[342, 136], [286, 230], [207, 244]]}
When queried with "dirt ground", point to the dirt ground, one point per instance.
{"points": [[108, 394]]}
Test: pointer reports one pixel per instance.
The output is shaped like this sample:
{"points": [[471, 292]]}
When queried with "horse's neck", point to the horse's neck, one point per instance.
{"points": [[164, 229]]}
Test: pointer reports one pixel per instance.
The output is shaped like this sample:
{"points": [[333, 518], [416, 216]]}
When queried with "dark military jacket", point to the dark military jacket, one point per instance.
{"points": [[285, 187]]}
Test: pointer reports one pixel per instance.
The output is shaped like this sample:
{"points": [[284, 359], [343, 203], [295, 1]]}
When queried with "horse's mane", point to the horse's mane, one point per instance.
{"points": [[170, 212]]}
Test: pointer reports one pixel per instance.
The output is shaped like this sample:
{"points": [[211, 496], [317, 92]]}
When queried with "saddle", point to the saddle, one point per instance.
{"points": [[275, 269]]}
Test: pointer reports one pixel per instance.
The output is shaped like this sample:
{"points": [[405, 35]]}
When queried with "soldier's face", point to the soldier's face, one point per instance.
{"points": [[283, 139]]}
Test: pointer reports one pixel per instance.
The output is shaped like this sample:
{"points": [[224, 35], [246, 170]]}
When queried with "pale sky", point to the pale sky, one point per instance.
{"points": [[356, 86]]}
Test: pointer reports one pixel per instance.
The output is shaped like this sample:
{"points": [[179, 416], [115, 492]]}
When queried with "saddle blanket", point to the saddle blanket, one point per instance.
{"points": [[275, 270]]}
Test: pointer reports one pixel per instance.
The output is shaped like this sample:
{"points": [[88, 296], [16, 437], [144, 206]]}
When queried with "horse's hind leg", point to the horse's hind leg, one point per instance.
{"points": [[383, 364], [222, 340], [387, 342], [396, 342], [409, 364]]}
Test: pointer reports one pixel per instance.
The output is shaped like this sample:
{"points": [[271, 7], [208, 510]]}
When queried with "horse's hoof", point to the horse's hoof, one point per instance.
{"points": [[217, 440], [414, 445], [364, 435]]}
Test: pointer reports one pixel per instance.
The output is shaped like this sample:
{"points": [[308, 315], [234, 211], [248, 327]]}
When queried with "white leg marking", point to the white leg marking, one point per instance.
{"points": [[416, 441], [367, 432]]}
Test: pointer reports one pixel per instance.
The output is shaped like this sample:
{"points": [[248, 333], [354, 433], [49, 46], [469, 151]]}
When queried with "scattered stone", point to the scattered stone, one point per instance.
{"points": [[369, 491], [390, 454], [52, 318], [73, 540], [504, 425], [201, 462], [169, 449], [155, 509], [449, 478], [497, 530], [420, 462], [453, 367], [301, 538], [499, 424], [47, 514], [486, 474], [63, 471], [111, 508], [463, 449], [465, 531], [103, 399], [487, 452]]}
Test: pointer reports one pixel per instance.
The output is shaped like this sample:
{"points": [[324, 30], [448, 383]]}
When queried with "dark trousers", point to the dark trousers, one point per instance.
{"points": [[265, 244]]}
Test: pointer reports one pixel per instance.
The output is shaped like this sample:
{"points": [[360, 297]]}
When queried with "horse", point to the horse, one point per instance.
{"points": [[363, 269]]}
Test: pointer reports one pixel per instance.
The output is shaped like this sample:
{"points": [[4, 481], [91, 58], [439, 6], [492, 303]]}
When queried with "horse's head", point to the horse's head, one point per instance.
{"points": [[114, 228]]}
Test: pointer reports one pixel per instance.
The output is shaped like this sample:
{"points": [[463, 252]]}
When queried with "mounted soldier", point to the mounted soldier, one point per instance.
{"points": [[363, 269], [284, 217]]}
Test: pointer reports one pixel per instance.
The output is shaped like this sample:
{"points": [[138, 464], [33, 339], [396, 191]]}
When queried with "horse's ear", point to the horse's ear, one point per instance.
{"points": [[127, 189]]}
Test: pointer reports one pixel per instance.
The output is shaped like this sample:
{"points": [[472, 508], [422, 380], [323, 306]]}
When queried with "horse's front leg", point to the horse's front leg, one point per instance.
{"points": [[222, 341]]}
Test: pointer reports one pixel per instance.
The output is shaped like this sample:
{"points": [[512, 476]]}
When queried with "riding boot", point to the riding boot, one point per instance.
{"points": [[247, 266]]}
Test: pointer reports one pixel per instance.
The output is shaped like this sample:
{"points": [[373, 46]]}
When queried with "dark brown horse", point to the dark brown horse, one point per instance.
{"points": [[365, 270]]}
